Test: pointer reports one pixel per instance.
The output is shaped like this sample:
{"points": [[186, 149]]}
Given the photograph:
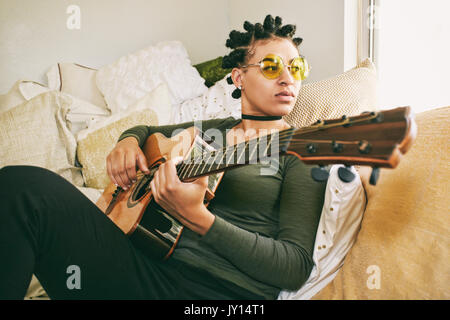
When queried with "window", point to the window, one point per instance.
{"points": [[411, 50]]}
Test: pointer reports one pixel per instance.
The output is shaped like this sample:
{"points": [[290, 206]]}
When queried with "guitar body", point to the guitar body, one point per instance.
{"points": [[135, 212]]}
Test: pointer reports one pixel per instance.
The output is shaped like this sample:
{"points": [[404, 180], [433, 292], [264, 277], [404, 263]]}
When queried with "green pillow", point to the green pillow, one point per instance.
{"points": [[212, 71]]}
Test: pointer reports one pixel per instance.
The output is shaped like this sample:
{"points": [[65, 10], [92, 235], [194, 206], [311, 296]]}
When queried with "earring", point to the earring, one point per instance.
{"points": [[236, 93]]}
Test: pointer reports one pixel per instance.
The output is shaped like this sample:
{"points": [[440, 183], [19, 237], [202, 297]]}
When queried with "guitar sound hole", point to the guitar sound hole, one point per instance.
{"points": [[142, 188]]}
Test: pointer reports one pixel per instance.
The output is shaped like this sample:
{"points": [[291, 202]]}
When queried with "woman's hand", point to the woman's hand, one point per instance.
{"points": [[183, 200], [122, 161]]}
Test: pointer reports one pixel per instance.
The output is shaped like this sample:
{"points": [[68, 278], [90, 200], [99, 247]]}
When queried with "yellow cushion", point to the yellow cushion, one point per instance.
{"points": [[95, 143], [349, 93], [403, 248]]}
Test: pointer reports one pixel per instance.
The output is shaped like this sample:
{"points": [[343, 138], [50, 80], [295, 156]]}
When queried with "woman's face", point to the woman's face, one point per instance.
{"points": [[262, 96]]}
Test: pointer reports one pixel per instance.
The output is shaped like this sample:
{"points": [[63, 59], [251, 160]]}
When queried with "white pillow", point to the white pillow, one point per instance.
{"points": [[215, 103], [131, 77], [83, 115], [76, 80], [338, 228], [31, 89]]}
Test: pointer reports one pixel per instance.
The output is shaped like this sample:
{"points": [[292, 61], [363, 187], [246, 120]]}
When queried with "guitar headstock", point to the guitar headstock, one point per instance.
{"points": [[377, 139]]}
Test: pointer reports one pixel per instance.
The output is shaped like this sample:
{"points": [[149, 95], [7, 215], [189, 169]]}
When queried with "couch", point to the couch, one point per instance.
{"points": [[388, 241]]}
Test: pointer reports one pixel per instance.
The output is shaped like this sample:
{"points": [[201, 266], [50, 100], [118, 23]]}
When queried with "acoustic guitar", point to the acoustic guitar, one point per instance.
{"points": [[376, 139]]}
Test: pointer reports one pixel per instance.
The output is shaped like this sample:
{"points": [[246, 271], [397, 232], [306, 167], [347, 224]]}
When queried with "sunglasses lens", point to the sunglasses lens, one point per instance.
{"points": [[271, 66], [299, 68], [306, 68]]}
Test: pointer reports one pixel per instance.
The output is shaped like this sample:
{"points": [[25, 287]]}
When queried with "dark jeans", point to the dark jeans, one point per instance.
{"points": [[47, 225]]}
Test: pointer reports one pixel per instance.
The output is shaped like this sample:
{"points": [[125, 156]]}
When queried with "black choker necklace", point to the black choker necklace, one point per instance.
{"points": [[260, 118]]}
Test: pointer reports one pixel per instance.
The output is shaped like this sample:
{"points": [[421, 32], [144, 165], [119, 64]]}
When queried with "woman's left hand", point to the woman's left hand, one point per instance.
{"points": [[183, 200]]}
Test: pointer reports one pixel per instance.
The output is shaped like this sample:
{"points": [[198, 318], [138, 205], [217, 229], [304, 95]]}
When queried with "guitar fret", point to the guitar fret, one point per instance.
{"points": [[198, 167], [243, 151], [184, 170], [251, 155], [231, 156], [221, 160], [212, 162], [267, 148], [192, 167], [180, 174]]}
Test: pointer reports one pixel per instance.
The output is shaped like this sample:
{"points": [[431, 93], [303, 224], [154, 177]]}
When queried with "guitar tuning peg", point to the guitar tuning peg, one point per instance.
{"points": [[374, 175], [379, 117], [319, 174], [344, 118], [345, 174]]}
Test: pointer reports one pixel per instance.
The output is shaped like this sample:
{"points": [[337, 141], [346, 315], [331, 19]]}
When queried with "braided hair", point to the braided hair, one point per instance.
{"points": [[241, 42]]}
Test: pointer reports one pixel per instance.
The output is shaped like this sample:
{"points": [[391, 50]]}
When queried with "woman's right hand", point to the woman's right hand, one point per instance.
{"points": [[122, 161]]}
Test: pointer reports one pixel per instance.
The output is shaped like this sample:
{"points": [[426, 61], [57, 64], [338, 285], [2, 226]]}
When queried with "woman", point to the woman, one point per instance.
{"points": [[254, 239]]}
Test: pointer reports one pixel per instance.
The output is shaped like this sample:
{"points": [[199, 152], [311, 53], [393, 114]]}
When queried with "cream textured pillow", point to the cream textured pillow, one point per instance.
{"points": [[95, 143], [133, 76], [12, 98], [349, 93], [35, 133], [403, 248]]}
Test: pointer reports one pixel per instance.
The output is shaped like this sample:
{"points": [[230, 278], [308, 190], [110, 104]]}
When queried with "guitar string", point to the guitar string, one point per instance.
{"points": [[191, 166]]}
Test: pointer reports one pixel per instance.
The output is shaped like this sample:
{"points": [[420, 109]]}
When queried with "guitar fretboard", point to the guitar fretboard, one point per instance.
{"points": [[248, 152]]}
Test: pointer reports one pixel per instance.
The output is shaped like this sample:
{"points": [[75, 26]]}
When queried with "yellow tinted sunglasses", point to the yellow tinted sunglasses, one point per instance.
{"points": [[272, 67]]}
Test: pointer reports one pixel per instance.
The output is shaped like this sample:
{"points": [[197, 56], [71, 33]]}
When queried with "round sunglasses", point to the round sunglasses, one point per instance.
{"points": [[272, 67]]}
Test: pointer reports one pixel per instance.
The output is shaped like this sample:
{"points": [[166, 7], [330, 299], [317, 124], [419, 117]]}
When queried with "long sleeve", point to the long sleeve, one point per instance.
{"points": [[284, 261], [142, 132]]}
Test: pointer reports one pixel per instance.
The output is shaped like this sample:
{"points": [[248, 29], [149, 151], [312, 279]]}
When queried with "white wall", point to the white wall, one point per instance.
{"points": [[34, 35]]}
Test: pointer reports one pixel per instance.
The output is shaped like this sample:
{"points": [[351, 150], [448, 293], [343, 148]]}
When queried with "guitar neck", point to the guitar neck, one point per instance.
{"points": [[377, 139], [248, 152]]}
